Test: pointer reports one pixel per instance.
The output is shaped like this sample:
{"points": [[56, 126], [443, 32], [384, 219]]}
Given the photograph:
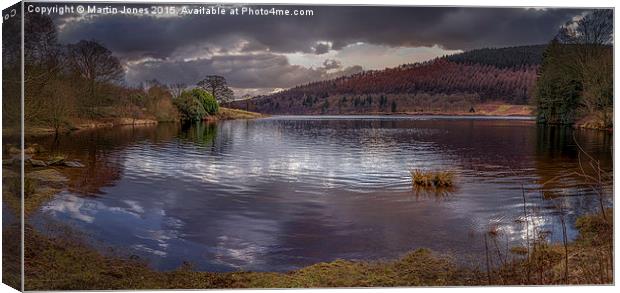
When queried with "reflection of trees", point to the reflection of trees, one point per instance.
{"points": [[216, 137], [101, 152], [554, 142], [557, 143], [101, 170], [200, 133], [227, 131], [552, 146], [558, 155], [473, 143], [438, 194]]}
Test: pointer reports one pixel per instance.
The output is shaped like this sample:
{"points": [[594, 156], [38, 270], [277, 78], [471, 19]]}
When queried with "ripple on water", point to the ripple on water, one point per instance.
{"points": [[284, 192]]}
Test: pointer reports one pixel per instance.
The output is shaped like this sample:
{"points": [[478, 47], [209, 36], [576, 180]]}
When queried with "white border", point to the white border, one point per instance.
{"points": [[479, 3]]}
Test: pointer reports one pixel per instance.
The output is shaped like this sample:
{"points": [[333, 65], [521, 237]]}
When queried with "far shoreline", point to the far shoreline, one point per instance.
{"points": [[404, 114], [224, 114]]}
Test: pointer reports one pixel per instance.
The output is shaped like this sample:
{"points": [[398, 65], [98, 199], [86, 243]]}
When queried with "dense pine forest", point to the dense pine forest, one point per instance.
{"points": [[509, 57], [455, 83]]}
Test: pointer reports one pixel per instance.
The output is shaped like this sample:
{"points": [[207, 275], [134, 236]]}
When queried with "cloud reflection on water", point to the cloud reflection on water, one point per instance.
{"points": [[280, 193]]}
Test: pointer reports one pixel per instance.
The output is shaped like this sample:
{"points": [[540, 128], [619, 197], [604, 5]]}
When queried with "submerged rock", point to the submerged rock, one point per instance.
{"points": [[15, 160], [47, 176], [56, 161], [73, 164], [37, 163], [31, 149], [62, 161], [14, 150]]}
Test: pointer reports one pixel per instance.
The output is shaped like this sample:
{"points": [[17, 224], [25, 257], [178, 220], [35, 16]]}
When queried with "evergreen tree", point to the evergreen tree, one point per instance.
{"points": [[558, 89], [576, 77]]}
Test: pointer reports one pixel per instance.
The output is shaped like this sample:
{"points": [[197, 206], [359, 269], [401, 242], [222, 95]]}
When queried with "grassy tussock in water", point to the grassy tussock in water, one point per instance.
{"points": [[432, 179]]}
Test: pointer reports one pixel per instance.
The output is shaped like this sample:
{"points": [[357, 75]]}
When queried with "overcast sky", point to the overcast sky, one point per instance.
{"points": [[259, 54]]}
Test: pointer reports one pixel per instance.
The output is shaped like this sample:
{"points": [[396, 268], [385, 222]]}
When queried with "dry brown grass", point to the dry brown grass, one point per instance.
{"points": [[231, 114], [66, 262], [39, 187], [432, 179]]}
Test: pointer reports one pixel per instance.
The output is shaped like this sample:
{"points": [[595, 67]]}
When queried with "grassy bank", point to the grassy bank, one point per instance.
{"points": [[81, 124], [232, 114], [67, 262], [486, 109], [593, 122]]}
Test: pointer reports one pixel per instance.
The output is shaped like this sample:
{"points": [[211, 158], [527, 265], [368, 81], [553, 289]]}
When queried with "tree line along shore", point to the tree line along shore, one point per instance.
{"points": [[82, 85]]}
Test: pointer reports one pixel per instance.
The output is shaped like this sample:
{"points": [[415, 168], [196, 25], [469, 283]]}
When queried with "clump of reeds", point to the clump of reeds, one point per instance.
{"points": [[435, 179], [587, 260]]}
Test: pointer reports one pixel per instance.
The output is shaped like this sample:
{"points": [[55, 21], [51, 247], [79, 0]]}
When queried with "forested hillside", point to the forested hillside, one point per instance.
{"points": [[456, 83], [509, 57]]}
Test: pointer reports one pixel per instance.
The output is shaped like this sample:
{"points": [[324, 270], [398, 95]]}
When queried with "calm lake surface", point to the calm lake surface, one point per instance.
{"points": [[279, 193]]}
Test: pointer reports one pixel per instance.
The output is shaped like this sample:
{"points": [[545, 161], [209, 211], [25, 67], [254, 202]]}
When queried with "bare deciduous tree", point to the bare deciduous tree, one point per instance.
{"points": [[176, 89], [94, 63], [595, 28], [216, 85], [42, 60], [58, 105]]}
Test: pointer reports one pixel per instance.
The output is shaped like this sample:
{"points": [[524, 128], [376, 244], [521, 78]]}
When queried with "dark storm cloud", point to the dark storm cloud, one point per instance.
{"points": [[247, 49], [451, 28], [242, 71], [321, 48]]}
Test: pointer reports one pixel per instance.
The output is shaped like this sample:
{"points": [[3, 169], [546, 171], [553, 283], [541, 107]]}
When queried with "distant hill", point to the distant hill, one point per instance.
{"points": [[449, 84]]}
